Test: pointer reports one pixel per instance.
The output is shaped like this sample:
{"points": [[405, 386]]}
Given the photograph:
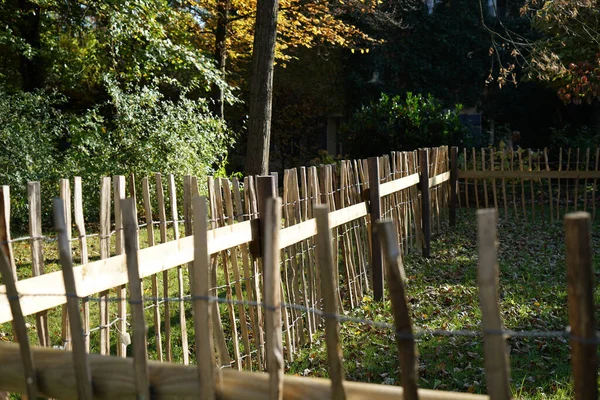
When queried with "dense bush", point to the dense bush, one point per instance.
{"points": [[136, 130], [401, 123], [30, 129]]}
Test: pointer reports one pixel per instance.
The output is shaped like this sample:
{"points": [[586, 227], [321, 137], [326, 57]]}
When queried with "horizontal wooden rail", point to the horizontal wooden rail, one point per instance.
{"points": [[397, 185], [439, 179], [304, 230], [114, 378], [106, 274], [529, 174]]}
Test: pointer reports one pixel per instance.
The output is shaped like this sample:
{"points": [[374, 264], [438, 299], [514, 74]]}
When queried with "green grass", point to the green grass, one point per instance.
{"points": [[443, 294]]}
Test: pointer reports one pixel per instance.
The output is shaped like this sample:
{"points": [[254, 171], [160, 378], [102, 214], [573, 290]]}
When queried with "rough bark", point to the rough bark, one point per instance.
{"points": [[261, 88], [223, 7], [29, 27]]}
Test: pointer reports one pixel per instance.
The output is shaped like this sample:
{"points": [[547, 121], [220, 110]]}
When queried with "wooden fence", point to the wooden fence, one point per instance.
{"points": [[292, 282], [529, 184], [234, 248]]}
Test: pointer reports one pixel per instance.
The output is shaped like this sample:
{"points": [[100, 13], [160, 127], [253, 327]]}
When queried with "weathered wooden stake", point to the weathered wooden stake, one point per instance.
{"points": [[407, 352], [330, 306], [425, 201], [494, 346], [82, 368], [136, 304], [580, 291], [453, 184], [205, 350], [271, 217], [375, 214]]}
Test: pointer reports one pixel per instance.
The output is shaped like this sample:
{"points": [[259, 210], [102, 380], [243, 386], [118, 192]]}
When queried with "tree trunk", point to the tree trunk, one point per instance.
{"points": [[30, 69], [261, 88], [223, 6]]}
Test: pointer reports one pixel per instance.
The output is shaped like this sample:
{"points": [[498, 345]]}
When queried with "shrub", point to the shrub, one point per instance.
{"points": [[398, 124], [137, 130], [30, 130]]}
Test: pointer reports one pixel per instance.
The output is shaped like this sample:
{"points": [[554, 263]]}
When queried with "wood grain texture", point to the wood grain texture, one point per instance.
{"points": [[56, 379], [330, 286], [82, 369], [580, 294], [407, 352], [138, 321], [494, 346]]}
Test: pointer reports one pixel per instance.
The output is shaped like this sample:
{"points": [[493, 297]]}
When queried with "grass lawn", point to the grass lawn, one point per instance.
{"points": [[443, 294]]}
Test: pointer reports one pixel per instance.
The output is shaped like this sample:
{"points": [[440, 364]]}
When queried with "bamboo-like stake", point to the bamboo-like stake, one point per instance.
{"points": [[567, 188], [237, 364], [300, 284], [37, 253], [248, 274], [301, 210], [494, 346], [329, 287], [407, 352], [522, 187], [140, 352], [494, 191], [549, 186], [514, 192], [133, 195], [118, 195], [150, 233], [558, 191], [466, 166], [180, 289], [104, 253], [65, 195], [539, 167], [580, 291], [289, 271], [272, 218], [5, 239], [531, 187], [79, 222], [28, 374], [594, 187], [504, 199], [162, 218], [475, 180], [82, 368], [252, 211], [587, 168], [237, 279], [485, 192], [173, 381], [576, 195], [205, 356], [220, 343]]}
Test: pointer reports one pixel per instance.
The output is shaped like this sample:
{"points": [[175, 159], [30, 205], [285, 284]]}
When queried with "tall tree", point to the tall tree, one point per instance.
{"points": [[261, 87]]}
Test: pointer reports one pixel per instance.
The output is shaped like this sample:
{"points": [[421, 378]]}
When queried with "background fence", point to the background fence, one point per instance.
{"points": [[413, 189]]}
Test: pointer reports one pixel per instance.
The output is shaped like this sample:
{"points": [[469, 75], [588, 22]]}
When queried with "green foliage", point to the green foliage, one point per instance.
{"points": [[401, 123], [571, 137], [30, 128], [137, 130]]}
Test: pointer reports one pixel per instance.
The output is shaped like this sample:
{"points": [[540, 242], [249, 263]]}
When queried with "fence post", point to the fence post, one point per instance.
{"points": [[375, 214], [330, 285], [407, 351], [271, 222], [266, 187], [580, 292], [453, 184], [494, 347], [5, 240], [425, 201]]}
